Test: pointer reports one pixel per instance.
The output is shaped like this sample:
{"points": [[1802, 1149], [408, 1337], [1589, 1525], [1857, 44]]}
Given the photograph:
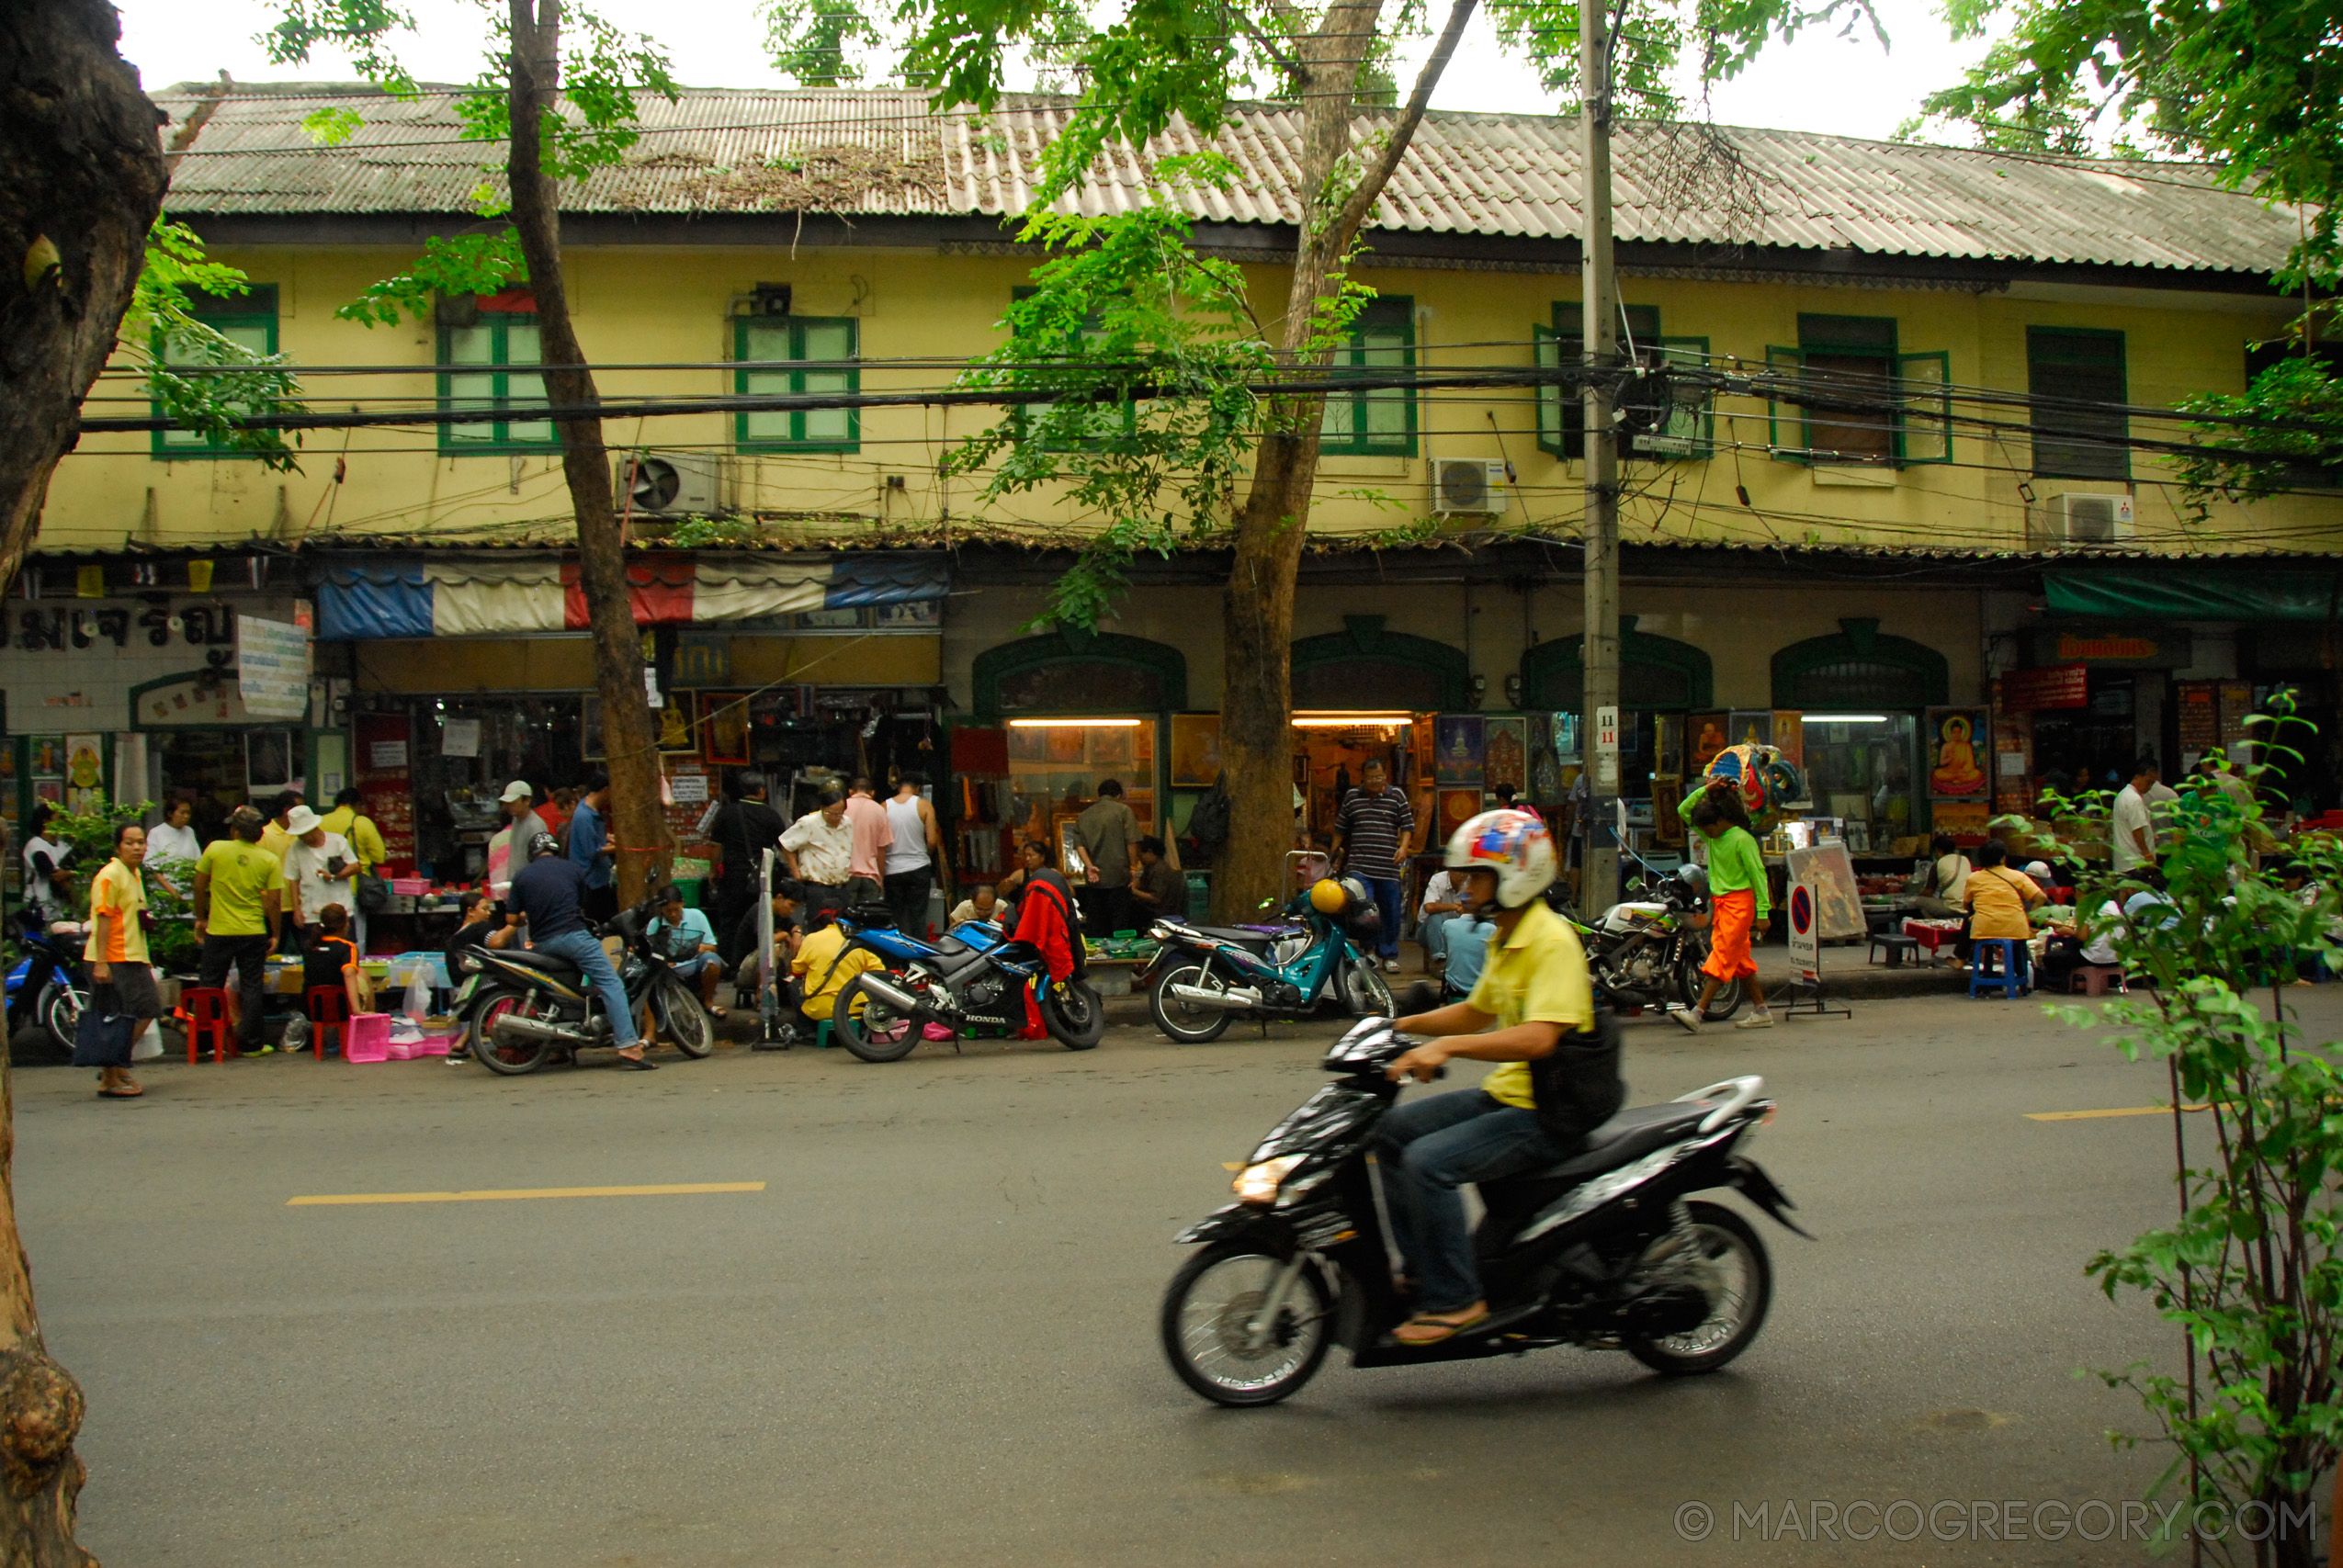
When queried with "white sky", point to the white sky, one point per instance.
{"points": [[1819, 83]]}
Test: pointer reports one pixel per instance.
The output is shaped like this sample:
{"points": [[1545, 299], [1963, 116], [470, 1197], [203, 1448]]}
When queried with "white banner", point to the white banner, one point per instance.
{"points": [[271, 668]]}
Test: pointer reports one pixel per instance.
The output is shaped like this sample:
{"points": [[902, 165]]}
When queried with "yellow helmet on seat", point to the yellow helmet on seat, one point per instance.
{"points": [[1328, 896]]}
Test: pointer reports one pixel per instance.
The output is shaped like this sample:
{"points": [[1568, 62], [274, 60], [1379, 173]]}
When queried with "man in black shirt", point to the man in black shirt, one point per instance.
{"points": [[549, 893], [745, 827]]}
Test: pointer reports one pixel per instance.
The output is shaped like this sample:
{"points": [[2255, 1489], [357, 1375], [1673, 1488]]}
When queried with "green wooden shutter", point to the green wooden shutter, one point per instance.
{"points": [[1689, 430], [1552, 432], [1924, 431], [1785, 422]]}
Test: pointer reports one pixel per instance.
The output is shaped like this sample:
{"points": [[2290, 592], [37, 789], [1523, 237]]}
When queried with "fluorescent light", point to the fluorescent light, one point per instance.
{"points": [[1352, 721], [1075, 722], [1846, 718]]}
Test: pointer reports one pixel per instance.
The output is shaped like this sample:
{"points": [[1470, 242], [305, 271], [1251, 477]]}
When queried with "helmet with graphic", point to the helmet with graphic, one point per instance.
{"points": [[1513, 844]]}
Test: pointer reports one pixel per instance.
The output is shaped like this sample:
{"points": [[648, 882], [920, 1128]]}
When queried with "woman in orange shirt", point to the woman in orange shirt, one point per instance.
{"points": [[1999, 897], [121, 986]]}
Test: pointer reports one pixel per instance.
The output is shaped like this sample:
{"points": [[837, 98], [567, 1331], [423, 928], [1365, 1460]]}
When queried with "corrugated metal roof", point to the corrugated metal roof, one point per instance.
{"points": [[882, 152]]}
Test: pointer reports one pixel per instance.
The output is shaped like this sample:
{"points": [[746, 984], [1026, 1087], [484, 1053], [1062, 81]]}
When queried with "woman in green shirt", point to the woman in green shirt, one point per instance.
{"points": [[1737, 892]]}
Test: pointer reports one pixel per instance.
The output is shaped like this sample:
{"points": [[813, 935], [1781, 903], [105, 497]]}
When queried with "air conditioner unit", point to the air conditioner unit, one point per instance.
{"points": [[669, 484], [1467, 487], [2095, 519]]}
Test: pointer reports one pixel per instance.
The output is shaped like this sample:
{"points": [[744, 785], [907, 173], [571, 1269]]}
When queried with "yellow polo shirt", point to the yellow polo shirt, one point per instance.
{"points": [[1538, 975]]}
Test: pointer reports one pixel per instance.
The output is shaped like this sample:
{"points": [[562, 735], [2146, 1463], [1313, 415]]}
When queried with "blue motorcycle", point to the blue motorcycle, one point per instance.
{"points": [[1203, 975], [45, 986], [968, 979]]}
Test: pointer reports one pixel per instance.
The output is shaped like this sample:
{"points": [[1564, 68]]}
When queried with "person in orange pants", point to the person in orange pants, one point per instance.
{"points": [[1736, 891]]}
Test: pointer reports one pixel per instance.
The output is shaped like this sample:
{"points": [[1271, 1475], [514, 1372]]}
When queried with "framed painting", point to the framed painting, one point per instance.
{"points": [[1709, 736], [724, 727], [1505, 755], [676, 732], [1195, 750], [1956, 751], [1456, 750]]}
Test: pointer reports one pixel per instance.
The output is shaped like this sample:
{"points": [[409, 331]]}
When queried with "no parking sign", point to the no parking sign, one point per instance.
{"points": [[1803, 946]]}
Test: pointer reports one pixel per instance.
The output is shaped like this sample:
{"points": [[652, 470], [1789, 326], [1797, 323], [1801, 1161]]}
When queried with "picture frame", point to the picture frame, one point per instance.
{"points": [[724, 727], [1457, 751], [678, 736], [1195, 750], [1752, 726], [1505, 755], [84, 764], [1707, 734], [45, 756], [1959, 739], [268, 760]]}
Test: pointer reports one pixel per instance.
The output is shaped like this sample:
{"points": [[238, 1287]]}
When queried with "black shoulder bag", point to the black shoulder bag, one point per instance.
{"points": [[1578, 1087]]}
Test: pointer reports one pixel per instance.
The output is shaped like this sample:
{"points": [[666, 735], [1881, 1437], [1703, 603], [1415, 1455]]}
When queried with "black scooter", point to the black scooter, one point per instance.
{"points": [[526, 1006], [1603, 1249]]}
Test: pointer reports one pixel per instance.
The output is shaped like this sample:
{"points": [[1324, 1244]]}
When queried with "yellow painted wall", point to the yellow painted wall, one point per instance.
{"points": [[672, 304]]}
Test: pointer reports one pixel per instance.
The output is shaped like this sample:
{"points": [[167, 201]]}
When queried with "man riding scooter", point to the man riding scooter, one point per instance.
{"points": [[1559, 1077]]}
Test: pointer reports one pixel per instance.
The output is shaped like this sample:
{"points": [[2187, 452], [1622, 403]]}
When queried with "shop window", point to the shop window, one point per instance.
{"points": [[797, 356], [1654, 673], [2067, 368], [1365, 667], [488, 356], [1859, 668], [1381, 420], [1686, 428], [248, 320], [1893, 407], [1860, 768], [1066, 671]]}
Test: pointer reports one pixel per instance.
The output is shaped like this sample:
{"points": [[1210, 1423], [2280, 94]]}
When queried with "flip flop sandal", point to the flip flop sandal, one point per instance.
{"points": [[635, 1063], [131, 1093], [1432, 1328], [716, 1012]]}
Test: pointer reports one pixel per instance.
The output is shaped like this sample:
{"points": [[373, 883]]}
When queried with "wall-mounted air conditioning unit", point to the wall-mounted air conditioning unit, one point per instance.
{"points": [[2094, 519], [1467, 487], [670, 484]]}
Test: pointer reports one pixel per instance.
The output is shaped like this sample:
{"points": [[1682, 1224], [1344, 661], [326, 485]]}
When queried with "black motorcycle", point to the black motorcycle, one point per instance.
{"points": [[1648, 952], [970, 980], [1605, 1249], [45, 985], [527, 1005]]}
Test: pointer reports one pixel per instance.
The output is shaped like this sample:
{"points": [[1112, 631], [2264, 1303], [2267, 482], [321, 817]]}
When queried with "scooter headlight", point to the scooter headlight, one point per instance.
{"points": [[1257, 1183]]}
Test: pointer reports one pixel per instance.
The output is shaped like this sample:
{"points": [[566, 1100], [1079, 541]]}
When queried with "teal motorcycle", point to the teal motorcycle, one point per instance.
{"points": [[1204, 977]]}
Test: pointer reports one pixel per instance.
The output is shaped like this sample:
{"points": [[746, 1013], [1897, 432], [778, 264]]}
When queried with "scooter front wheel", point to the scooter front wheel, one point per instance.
{"points": [[1216, 1337], [1074, 1016], [61, 1015]]}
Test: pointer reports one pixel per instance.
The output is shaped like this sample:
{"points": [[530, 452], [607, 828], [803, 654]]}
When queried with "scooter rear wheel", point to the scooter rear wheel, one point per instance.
{"points": [[1734, 1271], [869, 1028], [1213, 1344], [510, 1059], [1185, 1022]]}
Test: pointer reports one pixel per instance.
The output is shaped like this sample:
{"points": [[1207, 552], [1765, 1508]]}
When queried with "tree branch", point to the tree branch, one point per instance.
{"points": [[1362, 200], [1279, 54]]}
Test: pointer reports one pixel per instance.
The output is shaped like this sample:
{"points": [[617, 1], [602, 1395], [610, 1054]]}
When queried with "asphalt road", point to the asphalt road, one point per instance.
{"points": [[930, 1338]]}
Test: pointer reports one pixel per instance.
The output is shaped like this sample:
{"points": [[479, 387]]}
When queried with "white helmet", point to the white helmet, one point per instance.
{"points": [[1513, 844]]}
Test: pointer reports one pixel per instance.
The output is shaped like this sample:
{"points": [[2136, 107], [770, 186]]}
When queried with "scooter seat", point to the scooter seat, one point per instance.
{"points": [[528, 958], [1633, 1134], [1257, 941]]}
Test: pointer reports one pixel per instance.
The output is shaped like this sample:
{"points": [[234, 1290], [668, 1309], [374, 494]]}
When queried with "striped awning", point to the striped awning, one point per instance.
{"points": [[500, 594]]}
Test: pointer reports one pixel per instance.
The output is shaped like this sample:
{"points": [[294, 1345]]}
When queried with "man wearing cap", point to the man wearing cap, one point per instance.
{"points": [[519, 805], [319, 870]]}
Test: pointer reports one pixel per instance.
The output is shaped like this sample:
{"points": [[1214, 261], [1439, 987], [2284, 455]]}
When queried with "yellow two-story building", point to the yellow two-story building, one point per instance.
{"points": [[1967, 574]]}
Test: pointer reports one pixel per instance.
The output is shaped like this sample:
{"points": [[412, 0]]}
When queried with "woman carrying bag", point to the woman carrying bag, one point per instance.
{"points": [[123, 999]]}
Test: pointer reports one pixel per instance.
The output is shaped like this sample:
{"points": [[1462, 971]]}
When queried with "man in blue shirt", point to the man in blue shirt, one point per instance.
{"points": [[1468, 941], [690, 945], [549, 893], [590, 848]]}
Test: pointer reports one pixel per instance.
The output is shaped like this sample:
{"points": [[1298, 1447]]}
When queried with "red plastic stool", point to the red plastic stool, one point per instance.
{"points": [[206, 1008], [333, 1015]]}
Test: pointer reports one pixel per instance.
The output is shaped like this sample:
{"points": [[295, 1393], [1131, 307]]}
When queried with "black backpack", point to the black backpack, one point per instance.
{"points": [[1578, 1087], [1208, 823]]}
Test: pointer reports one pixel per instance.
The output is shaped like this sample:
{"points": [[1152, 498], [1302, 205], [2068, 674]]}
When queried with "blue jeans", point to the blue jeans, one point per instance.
{"points": [[1386, 899], [1432, 931], [584, 950], [1426, 1150]]}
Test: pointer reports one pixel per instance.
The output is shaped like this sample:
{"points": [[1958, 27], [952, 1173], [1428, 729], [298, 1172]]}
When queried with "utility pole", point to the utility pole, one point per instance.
{"points": [[1599, 335]]}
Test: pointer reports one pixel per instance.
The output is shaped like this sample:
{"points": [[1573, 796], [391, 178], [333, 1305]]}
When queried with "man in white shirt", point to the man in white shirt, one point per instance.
{"points": [[319, 870], [2134, 826], [1443, 902], [820, 848]]}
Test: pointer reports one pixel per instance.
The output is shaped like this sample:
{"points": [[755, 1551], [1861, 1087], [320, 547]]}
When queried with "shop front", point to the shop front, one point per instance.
{"points": [[1886, 760], [1663, 682]]}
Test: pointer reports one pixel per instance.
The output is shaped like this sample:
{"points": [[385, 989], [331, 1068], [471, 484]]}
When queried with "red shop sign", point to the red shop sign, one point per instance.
{"points": [[2060, 686]]}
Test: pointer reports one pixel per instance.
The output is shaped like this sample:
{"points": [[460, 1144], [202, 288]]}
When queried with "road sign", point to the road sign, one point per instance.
{"points": [[1606, 749], [1803, 948]]}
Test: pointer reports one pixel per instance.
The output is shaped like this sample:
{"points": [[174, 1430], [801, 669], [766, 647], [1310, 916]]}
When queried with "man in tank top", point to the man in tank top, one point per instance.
{"points": [[914, 855]]}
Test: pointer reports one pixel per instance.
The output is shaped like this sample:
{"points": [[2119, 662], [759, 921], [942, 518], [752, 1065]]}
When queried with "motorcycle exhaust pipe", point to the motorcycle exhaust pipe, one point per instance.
{"points": [[510, 1027], [1232, 999], [893, 996]]}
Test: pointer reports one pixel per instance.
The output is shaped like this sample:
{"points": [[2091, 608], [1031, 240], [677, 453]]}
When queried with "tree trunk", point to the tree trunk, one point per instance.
{"points": [[1256, 704], [639, 827], [80, 182]]}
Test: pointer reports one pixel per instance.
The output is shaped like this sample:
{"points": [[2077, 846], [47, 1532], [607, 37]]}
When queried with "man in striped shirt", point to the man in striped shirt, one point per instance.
{"points": [[1371, 837]]}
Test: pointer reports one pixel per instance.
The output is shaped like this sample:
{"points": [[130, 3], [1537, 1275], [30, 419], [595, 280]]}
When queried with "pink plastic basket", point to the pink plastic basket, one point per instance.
{"points": [[367, 1038], [408, 887], [402, 1050], [435, 1044]]}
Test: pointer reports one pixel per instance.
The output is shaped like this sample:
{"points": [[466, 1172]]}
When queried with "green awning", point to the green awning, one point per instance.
{"points": [[2199, 594]]}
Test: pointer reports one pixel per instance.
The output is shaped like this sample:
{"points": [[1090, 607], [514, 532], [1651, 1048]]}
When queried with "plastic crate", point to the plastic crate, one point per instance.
{"points": [[368, 1038], [410, 885]]}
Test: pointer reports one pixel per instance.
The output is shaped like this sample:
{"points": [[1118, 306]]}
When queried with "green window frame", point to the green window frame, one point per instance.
{"points": [[2078, 362], [1689, 433], [823, 344], [1856, 354], [1377, 421], [500, 344], [248, 320], [1101, 418]]}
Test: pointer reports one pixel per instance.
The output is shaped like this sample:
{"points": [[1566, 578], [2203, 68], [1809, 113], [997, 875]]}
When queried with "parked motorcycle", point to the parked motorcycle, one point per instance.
{"points": [[1201, 976], [1648, 952], [969, 978], [1606, 1250], [528, 1005], [46, 985]]}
